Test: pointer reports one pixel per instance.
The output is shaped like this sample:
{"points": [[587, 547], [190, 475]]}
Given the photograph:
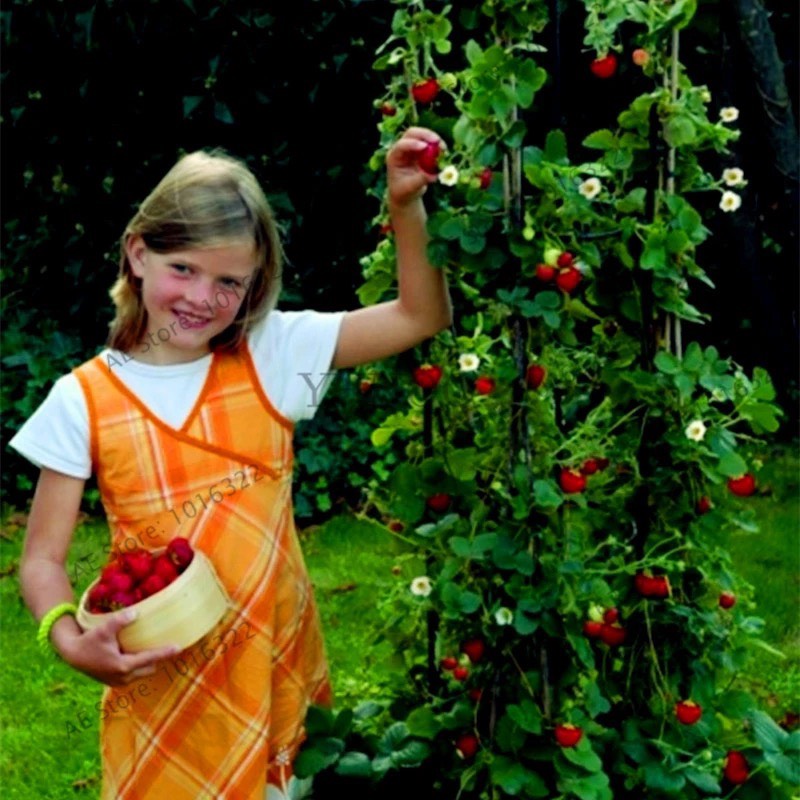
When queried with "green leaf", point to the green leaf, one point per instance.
{"points": [[769, 735], [732, 465], [656, 776], [555, 146], [583, 755], [786, 767], [223, 113], [527, 715], [462, 463], [513, 778], [318, 757], [355, 765], [703, 781], [423, 722], [603, 139], [667, 363], [679, 131], [190, 103], [546, 495]]}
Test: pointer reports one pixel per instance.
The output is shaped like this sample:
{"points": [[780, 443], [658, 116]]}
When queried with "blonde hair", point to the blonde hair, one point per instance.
{"points": [[208, 199]]}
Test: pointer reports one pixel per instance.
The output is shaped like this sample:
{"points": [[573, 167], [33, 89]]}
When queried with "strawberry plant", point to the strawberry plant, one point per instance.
{"points": [[570, 451]]}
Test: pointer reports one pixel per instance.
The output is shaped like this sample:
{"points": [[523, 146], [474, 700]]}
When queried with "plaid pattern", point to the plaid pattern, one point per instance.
{"points": [[233, 720]]}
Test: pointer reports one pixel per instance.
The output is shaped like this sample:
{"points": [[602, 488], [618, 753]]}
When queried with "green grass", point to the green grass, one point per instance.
{"points": [[46, 753]]}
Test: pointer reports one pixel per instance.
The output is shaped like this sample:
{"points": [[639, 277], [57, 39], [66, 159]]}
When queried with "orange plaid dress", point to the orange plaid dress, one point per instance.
{"points": [[225, 716]]}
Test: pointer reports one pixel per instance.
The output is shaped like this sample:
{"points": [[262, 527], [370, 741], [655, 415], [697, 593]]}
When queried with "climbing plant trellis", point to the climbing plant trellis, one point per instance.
{"points": [[570, 463]]}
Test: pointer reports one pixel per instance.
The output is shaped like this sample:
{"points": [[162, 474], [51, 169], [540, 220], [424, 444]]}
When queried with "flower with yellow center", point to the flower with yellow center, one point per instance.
{"points": [[449, 176], [468, 362], [730, 201], [729, 114], [733, 176], [590, 188], [696, 430], [421, 586]]}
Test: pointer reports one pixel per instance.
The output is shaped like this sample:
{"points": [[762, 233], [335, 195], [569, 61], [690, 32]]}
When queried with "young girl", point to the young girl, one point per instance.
{"points": [[197, 395]]}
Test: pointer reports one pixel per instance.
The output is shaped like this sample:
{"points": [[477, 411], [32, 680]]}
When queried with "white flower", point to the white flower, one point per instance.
{"points": [[449, 176], [733, 176], [730, 201], [504, 616], [421, 586], [696, 430], [590, 188], [729, 114], [468, 362]]}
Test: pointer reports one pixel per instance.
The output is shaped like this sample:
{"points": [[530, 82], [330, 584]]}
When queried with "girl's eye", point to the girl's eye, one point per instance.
{"points": [[231, 283], [180, 268]]}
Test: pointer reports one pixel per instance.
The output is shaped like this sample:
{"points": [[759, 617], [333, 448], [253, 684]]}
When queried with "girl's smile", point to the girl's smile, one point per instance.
{"points": [[190, 296]]}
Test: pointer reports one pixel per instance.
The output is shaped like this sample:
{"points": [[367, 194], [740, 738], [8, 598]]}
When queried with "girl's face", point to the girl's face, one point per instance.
{"points": [[190, 296]]}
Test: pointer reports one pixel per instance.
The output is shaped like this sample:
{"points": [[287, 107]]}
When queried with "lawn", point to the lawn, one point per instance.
{"points": [[49, 718]]}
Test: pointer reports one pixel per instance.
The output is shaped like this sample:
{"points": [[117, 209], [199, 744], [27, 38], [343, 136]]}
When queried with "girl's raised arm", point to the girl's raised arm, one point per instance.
{"points": [[423, 306]]}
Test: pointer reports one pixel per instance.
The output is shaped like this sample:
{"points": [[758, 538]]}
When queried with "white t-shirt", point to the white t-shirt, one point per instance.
{"points": [[292, 352]]}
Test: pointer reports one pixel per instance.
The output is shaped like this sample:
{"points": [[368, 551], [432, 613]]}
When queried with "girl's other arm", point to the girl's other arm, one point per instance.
{"points": [[422, 307], [45, 584]]}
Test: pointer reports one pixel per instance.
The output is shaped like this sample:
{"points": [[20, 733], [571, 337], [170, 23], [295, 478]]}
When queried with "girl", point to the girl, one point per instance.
{"points": [[196, 397]]}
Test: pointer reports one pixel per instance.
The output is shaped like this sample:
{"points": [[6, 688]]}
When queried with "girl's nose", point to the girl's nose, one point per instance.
{"points": [[201, 294]]}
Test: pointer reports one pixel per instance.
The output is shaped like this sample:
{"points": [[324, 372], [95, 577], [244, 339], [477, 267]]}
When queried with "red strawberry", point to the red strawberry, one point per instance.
{"points": [[688, 712], [99, 597], [640, 57], [180, 552], [119, 582], [165, 568], [568, 735], [743, 486], [425, 91], [486, 178], [467, 745], [438, 502], [535, 376], [110, 570], [121, 600], [485, 385], [703, 505], [396, 526], [152, 584], [592, 629], [388, 110], [386, 228], [427, 376], [460, 673], [448, 663], [571, 481], [602, 463], [475, 695], [736, 768], [590, 466], [613, 635], [604, 67], [567, 279], [545, 273], [652, 585], [610, 616], [364, 386], [137, 564], [473, 649], [428, 158], [565, 259], [727, 600]]}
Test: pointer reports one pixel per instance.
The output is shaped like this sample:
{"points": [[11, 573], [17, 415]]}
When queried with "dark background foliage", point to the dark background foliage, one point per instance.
{"points": [[99, 98]]}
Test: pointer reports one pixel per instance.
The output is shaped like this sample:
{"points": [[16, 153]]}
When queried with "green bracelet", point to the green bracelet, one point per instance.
{"points": [[50, 619]]}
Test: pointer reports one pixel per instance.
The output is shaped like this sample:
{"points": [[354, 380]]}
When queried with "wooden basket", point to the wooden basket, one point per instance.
{"points": [[180, 614]]}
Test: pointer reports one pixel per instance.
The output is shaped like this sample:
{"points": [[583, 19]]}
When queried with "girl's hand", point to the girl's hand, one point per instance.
{"points": [[406, 180], [96, 653]]}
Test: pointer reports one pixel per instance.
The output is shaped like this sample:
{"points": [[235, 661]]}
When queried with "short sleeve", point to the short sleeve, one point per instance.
{"points": [[57, 434], [293, 352]]}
